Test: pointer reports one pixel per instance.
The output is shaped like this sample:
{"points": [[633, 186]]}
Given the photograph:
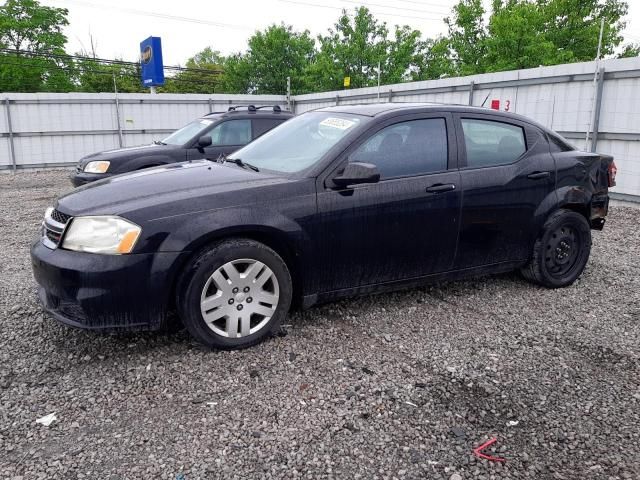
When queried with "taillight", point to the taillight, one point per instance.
{"points": [[613, 170]]}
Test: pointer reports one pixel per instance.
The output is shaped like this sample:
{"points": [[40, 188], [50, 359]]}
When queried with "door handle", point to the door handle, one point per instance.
{"points": [[441, 188], [539, 175]]}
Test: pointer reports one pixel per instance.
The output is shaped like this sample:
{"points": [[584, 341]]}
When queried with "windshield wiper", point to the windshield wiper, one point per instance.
{"points": [[240, 163], [158, 142]]}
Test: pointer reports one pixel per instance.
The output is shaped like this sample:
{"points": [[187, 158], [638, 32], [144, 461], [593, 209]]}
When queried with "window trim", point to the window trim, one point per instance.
{"points": [[462, 145], [340, 161]]}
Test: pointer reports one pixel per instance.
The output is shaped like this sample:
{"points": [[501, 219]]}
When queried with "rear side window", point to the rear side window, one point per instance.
{"points": [[557, 145], [263, 125], [231, 132], [405, 149], [491, 143]]}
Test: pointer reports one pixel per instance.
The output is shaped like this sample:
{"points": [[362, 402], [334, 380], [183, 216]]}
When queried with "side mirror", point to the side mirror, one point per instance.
{"points": [[204, 141], [356, 173]]}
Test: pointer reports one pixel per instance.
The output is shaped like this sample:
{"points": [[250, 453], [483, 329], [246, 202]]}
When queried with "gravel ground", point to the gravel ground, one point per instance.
{"points": [[391, 386]]}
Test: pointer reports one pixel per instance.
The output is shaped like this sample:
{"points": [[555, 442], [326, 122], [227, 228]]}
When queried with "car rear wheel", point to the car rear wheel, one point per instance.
{"points": [[561, 252], [234, 294]]}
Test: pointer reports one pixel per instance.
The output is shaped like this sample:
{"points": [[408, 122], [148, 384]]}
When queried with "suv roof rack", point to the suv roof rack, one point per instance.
{"points": [[233, 108], [275, 108], [253, 108]]}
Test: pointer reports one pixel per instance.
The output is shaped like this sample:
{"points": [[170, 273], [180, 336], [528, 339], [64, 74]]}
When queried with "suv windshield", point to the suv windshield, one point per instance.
{"points": [[298, 143], [186, 133]]}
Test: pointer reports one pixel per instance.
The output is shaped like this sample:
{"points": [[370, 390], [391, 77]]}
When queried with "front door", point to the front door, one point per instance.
{"points": [[226, 137], [404, 226], [507, 174]]}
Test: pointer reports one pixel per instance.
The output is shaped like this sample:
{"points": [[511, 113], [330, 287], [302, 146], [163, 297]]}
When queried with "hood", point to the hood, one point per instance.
{"points": [[127, 153], [175, 186]]}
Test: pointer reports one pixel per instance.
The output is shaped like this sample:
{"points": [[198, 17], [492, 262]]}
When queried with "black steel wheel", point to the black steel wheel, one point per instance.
{"points": [[562, 250]]}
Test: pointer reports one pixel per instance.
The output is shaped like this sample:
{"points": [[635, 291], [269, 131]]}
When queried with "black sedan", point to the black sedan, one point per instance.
{"points": [[335, 202]]}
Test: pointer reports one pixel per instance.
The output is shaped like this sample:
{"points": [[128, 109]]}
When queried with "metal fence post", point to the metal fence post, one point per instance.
{"points": [[471, 88], [596, 113], [337, 100], [210, 105], [390, 95], [12, 147], [118, 122]]}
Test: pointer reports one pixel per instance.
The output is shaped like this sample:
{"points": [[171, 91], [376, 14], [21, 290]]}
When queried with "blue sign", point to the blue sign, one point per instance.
{"points": [[152, 70]]}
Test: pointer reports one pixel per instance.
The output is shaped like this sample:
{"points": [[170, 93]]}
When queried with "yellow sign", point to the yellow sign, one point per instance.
{"points": [[347, 81]]}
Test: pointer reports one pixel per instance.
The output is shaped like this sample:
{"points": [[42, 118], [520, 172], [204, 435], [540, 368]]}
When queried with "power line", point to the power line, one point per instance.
{"points": [[130, 76], [158, 15], [305, 4], [405, 9], [105, 61]]}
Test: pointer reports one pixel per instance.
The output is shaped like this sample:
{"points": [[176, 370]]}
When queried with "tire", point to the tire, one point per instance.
{"points": [[561, 252], [216, 290]]}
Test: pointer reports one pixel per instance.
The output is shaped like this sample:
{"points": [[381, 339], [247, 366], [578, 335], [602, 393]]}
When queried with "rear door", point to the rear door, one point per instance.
{"points": [[226, 137], [508, 178], [402, 227]]}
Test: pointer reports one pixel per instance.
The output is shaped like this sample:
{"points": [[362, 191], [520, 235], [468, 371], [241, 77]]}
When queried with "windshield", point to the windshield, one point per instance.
{"points": [[298, 143], [186, 133]]}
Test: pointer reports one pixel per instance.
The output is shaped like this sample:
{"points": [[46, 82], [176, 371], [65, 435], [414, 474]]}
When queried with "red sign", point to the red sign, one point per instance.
{"points": [[495, 104]]}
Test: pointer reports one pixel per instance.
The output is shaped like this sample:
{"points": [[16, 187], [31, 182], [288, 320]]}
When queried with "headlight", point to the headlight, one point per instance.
{"points": [[97, 167], [110, 235]]}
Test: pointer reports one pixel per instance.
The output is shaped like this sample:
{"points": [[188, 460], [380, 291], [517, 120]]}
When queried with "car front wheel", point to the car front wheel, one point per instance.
{"points": [[561, 252], [234, 294]]}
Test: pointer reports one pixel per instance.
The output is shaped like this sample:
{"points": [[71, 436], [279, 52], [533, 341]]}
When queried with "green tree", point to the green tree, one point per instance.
{"points": [[273, 55], [352, 49], [406, 55], [573, 26], [438, 62], [32, 48], [206, 76], [467, 37], [516, 38], [94, 76], [630, 50]]}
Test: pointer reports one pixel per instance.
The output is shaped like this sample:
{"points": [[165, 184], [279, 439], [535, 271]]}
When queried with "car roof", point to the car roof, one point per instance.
{"points": [[379, 109]]}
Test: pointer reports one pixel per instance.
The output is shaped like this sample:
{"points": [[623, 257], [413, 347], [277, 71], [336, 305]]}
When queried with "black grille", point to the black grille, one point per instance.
{"points": [[60, 217]]}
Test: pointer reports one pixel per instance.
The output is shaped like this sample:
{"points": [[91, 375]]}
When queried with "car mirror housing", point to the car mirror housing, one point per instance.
{"points": [[204, 141], [357, 173]]}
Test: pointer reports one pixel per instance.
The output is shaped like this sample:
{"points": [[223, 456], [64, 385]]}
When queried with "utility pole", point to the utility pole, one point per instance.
{"points": [[115, 90], [595, 86], [378, 80]]}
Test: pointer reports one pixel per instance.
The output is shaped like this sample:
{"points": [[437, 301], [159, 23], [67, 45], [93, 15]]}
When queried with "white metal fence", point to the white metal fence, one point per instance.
{"points": [[58, 129]]}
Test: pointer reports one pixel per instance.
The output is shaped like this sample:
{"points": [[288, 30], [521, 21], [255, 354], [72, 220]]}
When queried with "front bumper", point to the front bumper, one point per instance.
{"points": [[79, 178], [104, 292]]}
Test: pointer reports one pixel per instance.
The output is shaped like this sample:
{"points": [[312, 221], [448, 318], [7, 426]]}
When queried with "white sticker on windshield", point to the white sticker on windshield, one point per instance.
{"points": [[335, 122], [206, 122]]}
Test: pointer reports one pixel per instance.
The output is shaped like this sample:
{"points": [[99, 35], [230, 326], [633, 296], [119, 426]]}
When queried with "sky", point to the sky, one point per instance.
{"points": [[187, 27]]}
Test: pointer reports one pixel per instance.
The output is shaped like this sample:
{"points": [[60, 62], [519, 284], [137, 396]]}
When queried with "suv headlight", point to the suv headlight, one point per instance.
{"points": [[101, 234], [97, 167]]}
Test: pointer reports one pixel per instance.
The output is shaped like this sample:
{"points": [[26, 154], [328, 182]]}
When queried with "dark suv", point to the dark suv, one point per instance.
{"points": [[335, 202], [214, 135]]}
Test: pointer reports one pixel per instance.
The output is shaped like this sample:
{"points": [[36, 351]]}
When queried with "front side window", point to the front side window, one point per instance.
{"points": [[299, 143], [415, 147], [231, 132], [189, 131], [490, 143]]}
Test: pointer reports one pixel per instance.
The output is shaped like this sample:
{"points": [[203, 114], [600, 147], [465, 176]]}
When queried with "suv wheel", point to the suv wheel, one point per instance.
{"points": [[234, 294], [561, 251]]}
